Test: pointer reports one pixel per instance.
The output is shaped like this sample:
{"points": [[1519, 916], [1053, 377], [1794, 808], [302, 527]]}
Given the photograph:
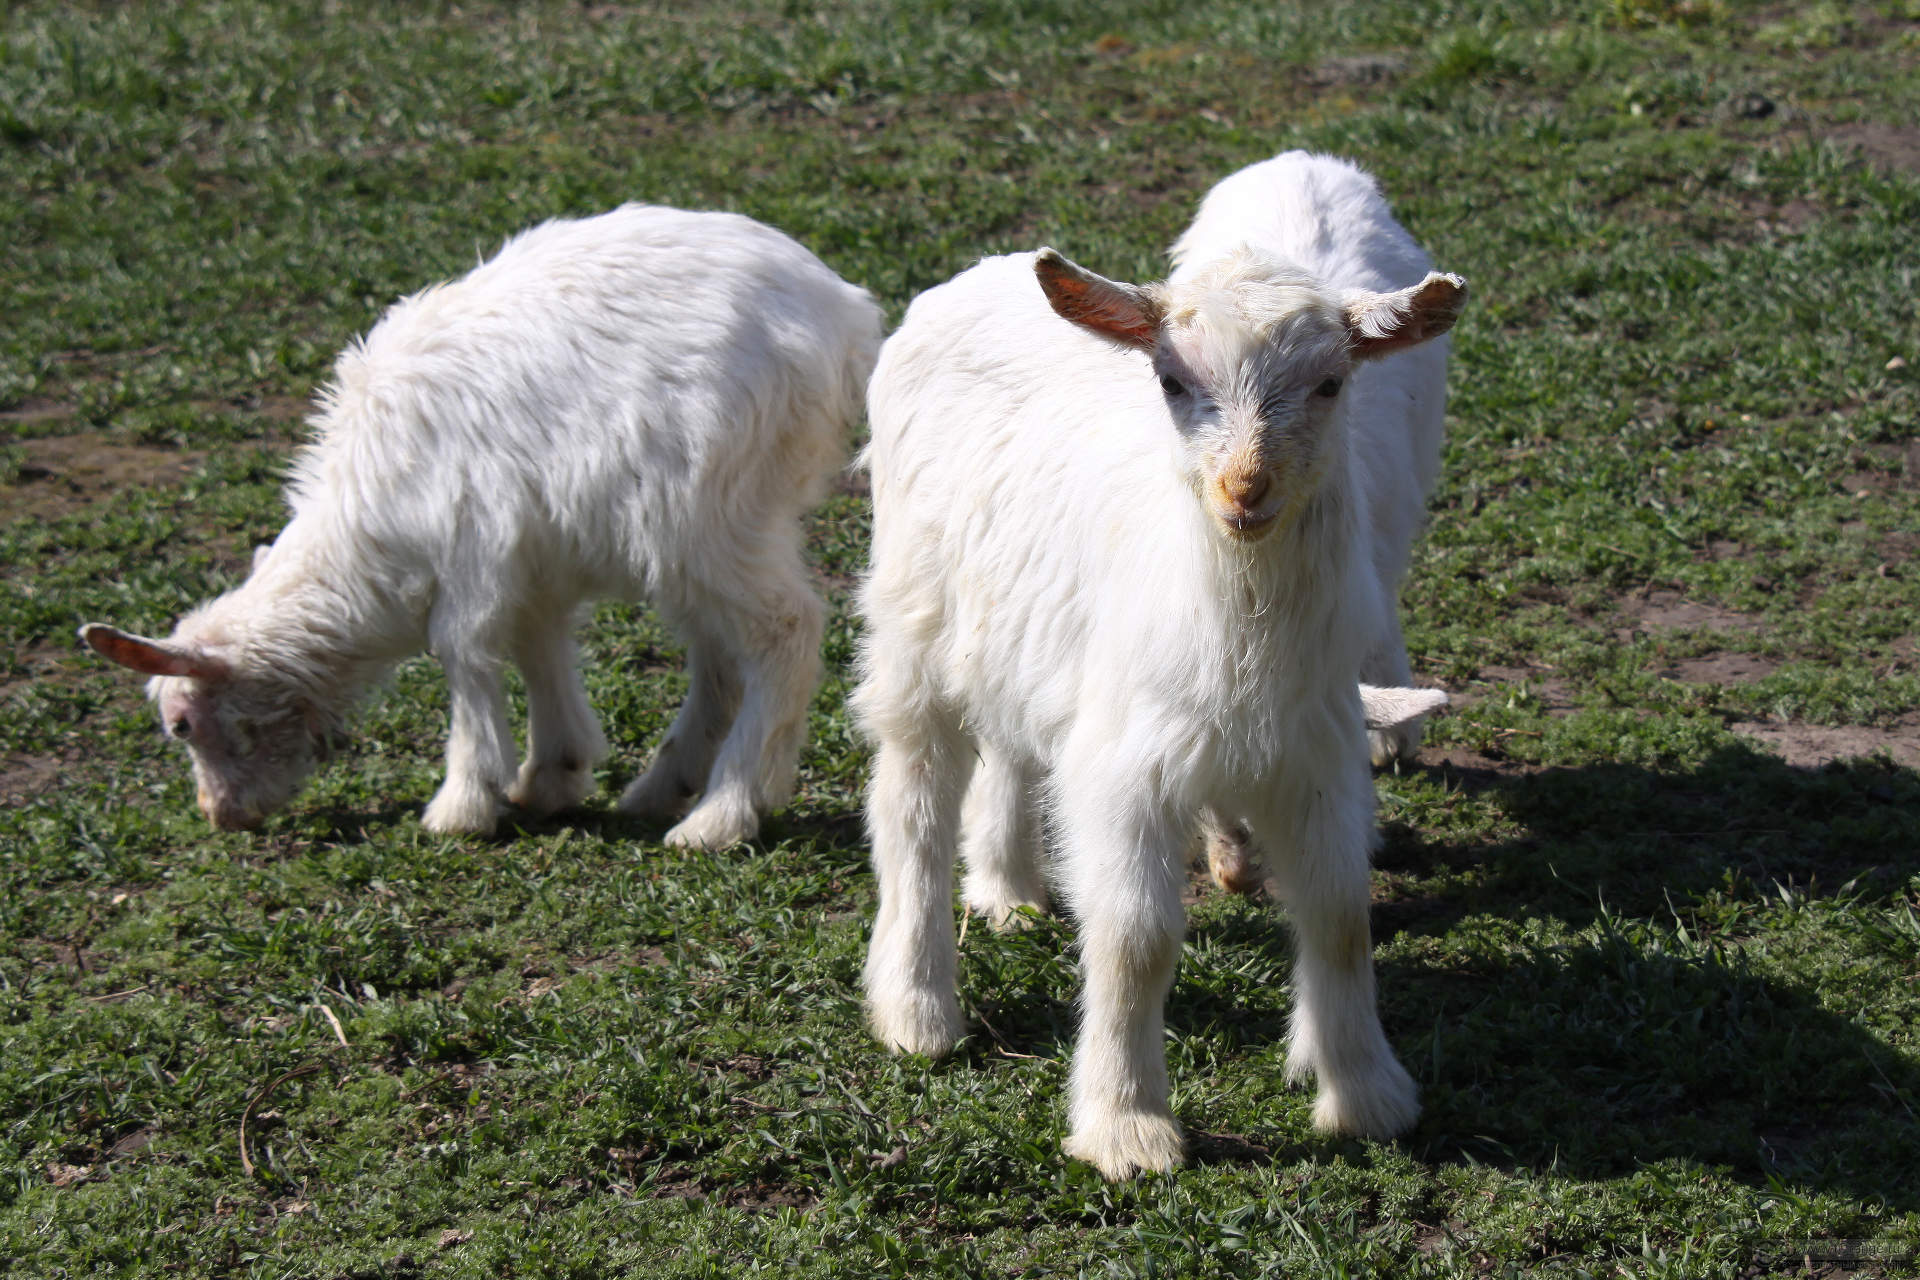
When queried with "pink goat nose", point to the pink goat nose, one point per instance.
{"points": [[1246, 489]]}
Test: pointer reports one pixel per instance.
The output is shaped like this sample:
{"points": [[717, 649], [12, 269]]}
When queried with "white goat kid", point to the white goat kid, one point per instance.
{"points": [[1128, 559], [1327, 215], [639, 404]]}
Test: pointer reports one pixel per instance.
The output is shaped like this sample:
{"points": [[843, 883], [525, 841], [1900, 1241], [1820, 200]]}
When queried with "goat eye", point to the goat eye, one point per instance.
{"points": [[1329, 388], [1172, 385], [181, 728]]}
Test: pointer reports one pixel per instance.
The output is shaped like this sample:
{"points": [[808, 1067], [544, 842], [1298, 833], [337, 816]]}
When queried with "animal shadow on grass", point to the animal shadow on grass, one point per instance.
{"points": [[351, 824], [792, 823], [1655, 1035]]}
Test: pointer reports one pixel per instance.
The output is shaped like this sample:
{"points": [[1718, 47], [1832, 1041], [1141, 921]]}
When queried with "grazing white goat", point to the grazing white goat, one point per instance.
{"points": [[638, 404], [1327, 215], [1122, 548]]}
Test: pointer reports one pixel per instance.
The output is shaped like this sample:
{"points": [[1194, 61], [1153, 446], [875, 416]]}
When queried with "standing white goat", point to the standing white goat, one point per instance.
{"points": [[1328, 215], [639, 404], [1122, 547]]}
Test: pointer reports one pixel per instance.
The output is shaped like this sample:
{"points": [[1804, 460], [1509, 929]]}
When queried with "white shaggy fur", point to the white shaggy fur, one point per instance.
{"points": [[1122, 552], [639, 404], [1328, 216]]}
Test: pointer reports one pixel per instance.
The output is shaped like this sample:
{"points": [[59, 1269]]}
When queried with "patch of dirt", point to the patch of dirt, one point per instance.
{"points": [[1899, 469], [1722, 549], [1722, 668], [45, 664], [762, 1197], [34, 410], [1496, 681], [1810, 746], [758, 1197], [1655, 612], [1226, 1148], [1895, 550], [1789, 219], [1888, 146], [64, 474], [1469, 770], [751, 1065], [61, 953], [272, 408], [24, 778], [1365, 68], [133, 1142]]}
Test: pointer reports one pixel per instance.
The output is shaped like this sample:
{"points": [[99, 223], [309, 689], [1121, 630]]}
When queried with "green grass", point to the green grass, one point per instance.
{"points": [[1657, 985]]}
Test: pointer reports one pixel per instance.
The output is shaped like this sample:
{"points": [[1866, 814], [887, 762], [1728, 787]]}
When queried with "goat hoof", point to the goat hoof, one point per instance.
{"points": [[1129, 1142], [464, 811], [713, 826], [1379, 1102], [657, 793], [930, 1025], [549, 788]]}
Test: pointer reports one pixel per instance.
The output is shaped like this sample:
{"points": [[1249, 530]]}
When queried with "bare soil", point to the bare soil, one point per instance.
{"points": [[22, 777], [1496, 681], [1656, 612], [1812, 745], [1722, 668], [1886, 146], [65, 474]]}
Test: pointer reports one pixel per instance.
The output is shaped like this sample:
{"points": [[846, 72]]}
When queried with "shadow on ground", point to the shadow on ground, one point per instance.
{"points": [[1660, 1032]]}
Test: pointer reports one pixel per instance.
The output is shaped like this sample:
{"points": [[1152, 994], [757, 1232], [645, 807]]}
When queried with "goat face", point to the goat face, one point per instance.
{"points": [[251, 741], [1252, 356]]}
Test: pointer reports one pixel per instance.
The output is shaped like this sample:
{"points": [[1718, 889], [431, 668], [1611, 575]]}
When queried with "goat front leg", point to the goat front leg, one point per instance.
{"points": [[1318, 825], [479, 746], [564, 741], [913, 804], [1122, 864]]}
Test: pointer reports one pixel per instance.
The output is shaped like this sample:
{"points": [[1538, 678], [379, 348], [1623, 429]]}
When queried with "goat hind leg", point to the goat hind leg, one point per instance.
{"points": [[778, 642], [680, 764], [1000, 841]]}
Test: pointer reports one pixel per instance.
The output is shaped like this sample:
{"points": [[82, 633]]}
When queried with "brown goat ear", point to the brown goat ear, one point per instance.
{"points": [[1380, 324], [1124, 312], [150, 657]]}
